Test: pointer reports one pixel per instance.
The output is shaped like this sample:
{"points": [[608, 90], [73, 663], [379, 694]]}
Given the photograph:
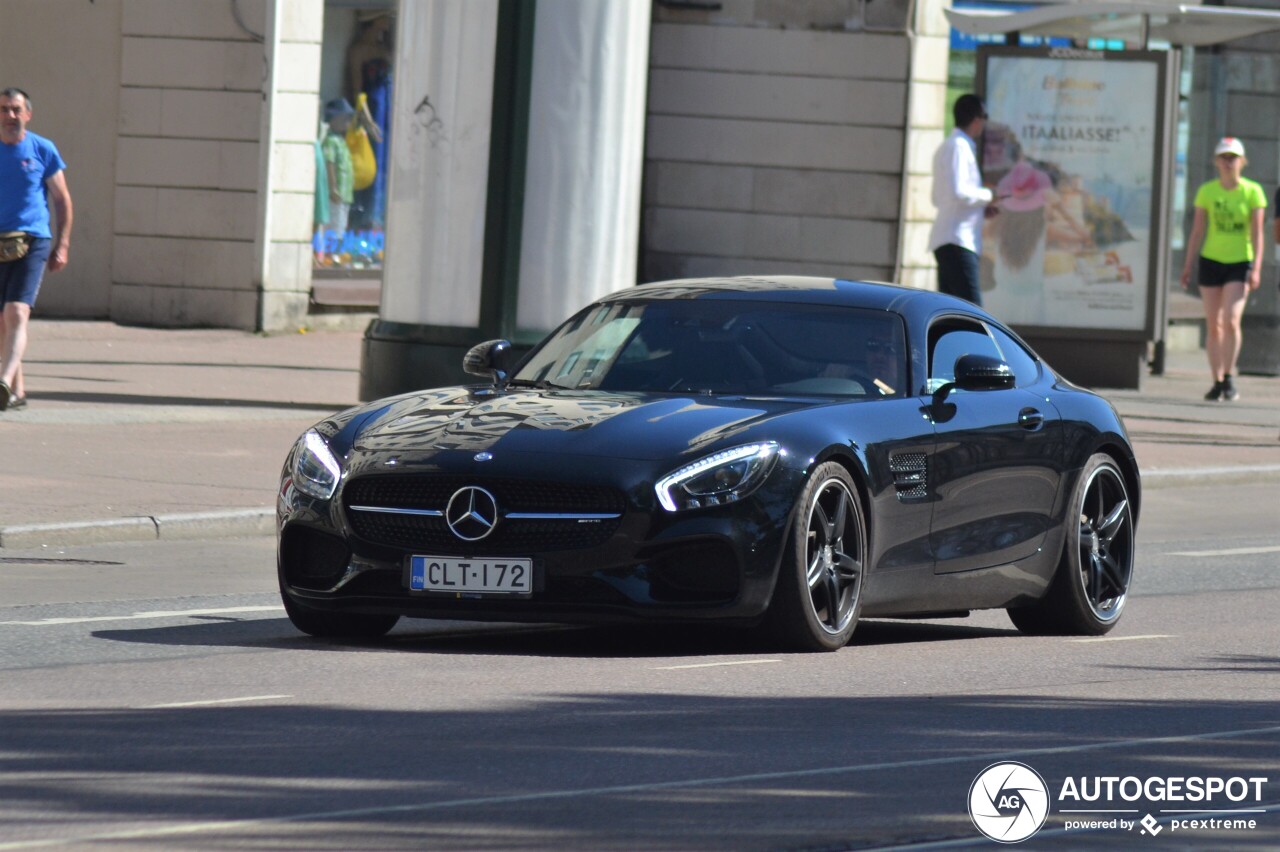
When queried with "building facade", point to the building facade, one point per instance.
{"points": [[775, 136], [187, 126]]}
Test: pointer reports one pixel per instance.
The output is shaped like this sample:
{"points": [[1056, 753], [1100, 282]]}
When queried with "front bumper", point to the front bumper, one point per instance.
{"points": [[646, 565]]}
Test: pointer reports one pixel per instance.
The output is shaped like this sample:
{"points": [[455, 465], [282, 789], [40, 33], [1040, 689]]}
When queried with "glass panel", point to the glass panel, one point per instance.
{"points": [[952, 344], [689, 346], [1025, 368], [352, 149]]}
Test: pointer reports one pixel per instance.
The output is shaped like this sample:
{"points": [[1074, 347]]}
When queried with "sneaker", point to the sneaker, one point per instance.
{"points": [[17, 402], [1215, 392], [1229, 392]]}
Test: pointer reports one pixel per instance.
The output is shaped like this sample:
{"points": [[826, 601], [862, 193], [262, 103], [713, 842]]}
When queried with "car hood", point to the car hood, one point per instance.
{"points": [[583, 423]]}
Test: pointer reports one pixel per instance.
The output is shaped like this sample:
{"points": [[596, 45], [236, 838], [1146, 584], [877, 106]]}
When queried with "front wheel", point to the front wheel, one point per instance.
{"points": [[1091, 585], [819, 593]]}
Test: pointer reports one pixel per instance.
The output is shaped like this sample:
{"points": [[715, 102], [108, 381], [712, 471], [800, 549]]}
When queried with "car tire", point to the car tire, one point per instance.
{"points": [[1094, 574], [818, 596], [337, 625]]}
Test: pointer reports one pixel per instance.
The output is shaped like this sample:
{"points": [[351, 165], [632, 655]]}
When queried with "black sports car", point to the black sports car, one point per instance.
{"points": [[790, 452]]}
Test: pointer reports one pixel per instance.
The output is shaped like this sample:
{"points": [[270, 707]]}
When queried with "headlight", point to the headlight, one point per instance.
{"points": [[724, 477], [315, 470]]}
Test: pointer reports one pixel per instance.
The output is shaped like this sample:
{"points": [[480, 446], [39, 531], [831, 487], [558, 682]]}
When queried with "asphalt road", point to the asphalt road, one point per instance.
{"points": [[153, 696]]}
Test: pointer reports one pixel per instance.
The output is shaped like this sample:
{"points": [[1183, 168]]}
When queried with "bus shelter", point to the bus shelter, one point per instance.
{"points": [[1084, 144]]}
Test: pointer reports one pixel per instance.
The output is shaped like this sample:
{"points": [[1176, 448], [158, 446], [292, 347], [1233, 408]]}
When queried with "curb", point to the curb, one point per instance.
{"points": [[1257, 474], [202, 525]]}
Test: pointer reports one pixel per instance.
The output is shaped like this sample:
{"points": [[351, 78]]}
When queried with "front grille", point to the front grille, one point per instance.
{"points": [[312, 559], [376, 583], [416, 491], [581, 590], [695, 572], [511, 536]]}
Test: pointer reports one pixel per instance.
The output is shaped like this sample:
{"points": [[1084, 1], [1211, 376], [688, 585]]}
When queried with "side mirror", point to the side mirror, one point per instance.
{"points": [[982, 372], [491, 360], [977, 373]]}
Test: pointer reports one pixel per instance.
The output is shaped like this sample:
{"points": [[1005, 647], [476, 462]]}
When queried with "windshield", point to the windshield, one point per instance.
{"points": [[724, 346]]}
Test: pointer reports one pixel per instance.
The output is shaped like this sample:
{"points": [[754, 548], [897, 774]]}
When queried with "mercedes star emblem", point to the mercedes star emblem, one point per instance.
{"points": [[472, 513]]}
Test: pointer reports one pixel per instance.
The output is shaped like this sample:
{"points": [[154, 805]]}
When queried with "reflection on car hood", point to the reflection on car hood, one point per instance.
{"points": [[588, 423]]}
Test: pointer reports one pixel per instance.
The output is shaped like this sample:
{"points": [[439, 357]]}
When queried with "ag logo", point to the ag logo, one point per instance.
{"points": [[1008, 802]]}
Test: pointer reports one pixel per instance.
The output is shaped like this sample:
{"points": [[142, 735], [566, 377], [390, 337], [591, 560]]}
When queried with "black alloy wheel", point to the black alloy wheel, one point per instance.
{"points": [[1095, 572], [819, 592]]}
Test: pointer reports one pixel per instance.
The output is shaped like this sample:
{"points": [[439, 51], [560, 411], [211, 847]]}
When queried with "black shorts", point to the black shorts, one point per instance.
{"points": [[1214, 274]]}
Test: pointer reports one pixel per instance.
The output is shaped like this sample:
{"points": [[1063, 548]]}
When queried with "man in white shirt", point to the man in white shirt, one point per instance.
{"points": [[961, 199]]}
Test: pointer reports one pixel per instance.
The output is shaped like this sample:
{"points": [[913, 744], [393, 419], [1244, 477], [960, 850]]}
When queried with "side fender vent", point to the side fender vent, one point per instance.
{"points": [[910, 475]]}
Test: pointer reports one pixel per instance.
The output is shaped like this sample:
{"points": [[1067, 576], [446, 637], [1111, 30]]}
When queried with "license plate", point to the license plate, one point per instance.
{"points": [[482, 576]]}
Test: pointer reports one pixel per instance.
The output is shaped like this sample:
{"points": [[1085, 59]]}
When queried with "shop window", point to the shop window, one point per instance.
{"points": [[353, 150]]}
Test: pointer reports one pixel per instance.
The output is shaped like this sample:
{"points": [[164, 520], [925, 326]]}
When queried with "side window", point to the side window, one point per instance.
{"points": [[948, 341], [1025, 367]]}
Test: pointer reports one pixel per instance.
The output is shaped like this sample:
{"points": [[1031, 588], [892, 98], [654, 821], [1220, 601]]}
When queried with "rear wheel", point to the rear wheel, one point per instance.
{"points": [[337, 625], [819, 593], [1091, 585]]}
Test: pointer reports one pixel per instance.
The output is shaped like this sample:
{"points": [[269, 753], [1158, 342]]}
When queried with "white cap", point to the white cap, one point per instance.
{"points": [[1229, 145]]}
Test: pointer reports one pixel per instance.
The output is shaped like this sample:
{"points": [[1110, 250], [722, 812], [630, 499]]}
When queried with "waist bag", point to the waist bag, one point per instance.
{"points": [[14, 246]]}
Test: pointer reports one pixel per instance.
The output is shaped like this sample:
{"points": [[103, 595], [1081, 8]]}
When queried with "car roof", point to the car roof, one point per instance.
{"points": [[871, 295]]}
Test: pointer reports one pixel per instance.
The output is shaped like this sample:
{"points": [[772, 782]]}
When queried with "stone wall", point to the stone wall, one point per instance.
{"points": [[212, 200], [186, 211], [775, 140], [188, 128], [75, 105]]}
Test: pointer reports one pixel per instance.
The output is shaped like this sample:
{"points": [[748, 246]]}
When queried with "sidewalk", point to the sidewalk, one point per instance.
{"points": [[137, 433], [127, 426]]}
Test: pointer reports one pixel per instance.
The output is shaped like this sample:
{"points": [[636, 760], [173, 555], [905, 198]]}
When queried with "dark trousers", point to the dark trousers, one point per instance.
{"points": [[958, 272]]}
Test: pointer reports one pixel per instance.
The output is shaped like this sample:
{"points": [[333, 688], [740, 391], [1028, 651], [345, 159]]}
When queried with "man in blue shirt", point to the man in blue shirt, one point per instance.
{"points": [[31, 180]]}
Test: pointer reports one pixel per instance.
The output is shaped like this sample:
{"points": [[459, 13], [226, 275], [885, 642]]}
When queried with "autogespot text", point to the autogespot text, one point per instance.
{"points": [[1109, 788]]}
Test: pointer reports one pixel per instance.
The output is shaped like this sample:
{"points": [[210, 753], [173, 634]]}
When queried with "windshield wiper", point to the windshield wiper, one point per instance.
{"points": [[540, 384]]}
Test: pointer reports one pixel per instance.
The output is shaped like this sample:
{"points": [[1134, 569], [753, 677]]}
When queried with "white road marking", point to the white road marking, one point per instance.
{"points": [[1235, 551], [713, 665], [213, 701], [1125, 638], [175, 613], [551, 795]]}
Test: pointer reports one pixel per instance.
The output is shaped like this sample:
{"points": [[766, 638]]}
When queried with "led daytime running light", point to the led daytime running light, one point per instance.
{"points": [[315, 450], [688, 472]]}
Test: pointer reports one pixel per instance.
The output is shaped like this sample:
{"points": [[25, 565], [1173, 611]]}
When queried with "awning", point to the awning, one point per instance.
{"points": [[1141, 23]]}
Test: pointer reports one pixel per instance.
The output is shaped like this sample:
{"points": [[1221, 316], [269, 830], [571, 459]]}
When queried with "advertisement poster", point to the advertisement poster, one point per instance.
{"points": [[1070, 152]]}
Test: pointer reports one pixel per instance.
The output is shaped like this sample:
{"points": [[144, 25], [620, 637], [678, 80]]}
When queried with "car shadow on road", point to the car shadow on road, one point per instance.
{"points": [[1236, 663], [537, 640]]}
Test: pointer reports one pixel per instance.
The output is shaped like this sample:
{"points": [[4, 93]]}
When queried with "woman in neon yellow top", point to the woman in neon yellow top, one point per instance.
{"points": [[1227, 237]]}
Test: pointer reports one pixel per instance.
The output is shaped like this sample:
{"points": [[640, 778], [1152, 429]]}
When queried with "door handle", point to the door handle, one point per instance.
{"points": [[1030, 418]]}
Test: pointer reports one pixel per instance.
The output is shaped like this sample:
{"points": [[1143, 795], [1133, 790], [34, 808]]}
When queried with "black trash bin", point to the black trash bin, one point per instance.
{"points": [[1260, 352]]}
